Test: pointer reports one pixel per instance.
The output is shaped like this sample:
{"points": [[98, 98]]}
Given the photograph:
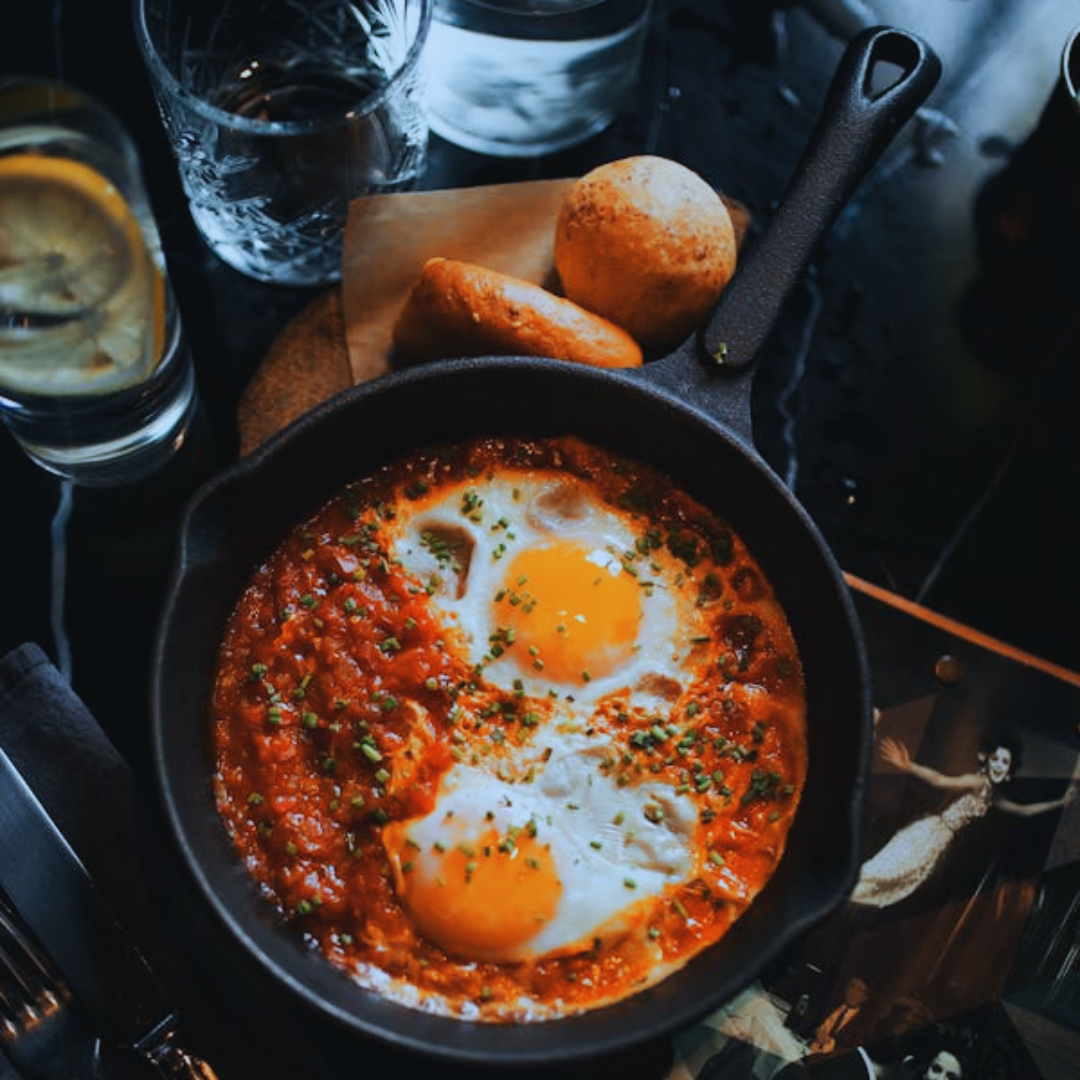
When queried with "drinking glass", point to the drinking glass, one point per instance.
{"points": [[519, 78], [279, 113], [96, 382]]}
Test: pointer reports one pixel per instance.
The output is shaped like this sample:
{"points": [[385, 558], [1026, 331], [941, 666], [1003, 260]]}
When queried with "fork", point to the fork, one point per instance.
{"points": [[45, 1035], [40, 1029]]}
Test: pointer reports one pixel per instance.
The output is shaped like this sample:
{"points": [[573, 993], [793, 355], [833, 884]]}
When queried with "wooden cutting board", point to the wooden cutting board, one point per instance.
{"points": [[308, 363]]}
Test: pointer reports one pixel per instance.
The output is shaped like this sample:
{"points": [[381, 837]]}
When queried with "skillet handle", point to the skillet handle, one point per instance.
{"points": [[856, 125]]}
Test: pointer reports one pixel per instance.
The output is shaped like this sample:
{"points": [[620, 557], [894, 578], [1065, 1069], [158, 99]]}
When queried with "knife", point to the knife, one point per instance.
{"points": [[55, 896]]}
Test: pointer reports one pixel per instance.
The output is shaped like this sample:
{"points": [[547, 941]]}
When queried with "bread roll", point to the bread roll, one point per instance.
{"points": [[460, 309], [646, 243]]}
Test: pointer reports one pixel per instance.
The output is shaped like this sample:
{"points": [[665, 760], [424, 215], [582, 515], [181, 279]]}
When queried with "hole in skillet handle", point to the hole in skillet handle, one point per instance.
{"points": [[883, 76]]}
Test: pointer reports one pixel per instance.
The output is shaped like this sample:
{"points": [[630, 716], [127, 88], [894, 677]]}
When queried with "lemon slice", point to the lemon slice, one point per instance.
{"points": [[82, 300]]}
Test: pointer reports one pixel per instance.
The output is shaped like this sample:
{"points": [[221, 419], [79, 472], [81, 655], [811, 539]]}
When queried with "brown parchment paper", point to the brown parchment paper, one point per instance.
{"points": [[505, 227]]}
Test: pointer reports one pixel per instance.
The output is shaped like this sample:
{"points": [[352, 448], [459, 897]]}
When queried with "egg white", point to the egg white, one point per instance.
{"points": [[459, 542], [614, 848]]}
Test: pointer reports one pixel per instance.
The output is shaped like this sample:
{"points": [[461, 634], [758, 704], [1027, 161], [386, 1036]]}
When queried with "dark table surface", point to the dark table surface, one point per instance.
{"points": [[919, 393]]}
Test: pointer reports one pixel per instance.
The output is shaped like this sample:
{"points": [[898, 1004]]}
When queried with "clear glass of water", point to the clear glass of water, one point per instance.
{"points": [[279, 113], [518, 78], [96, 383]]}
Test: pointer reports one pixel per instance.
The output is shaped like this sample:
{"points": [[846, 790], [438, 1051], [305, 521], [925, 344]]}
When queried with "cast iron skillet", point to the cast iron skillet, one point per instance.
{"points": [[685, 414]]}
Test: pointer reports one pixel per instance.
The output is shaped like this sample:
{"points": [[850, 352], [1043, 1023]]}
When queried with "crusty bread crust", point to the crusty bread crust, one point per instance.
{"points": [[647, 243], [461, 309]]}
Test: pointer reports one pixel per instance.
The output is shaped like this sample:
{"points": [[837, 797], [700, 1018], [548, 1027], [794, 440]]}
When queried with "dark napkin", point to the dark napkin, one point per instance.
{"points": [[69, 762], [75, 771]]}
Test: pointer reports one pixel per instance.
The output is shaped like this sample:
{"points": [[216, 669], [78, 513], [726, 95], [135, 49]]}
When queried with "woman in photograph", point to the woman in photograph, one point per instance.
{"points": [[913, 853]]}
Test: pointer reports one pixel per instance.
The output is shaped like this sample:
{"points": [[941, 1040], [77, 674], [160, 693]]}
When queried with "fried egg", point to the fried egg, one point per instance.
{"points": [[508, 872], [544, 585], [535, 851]]}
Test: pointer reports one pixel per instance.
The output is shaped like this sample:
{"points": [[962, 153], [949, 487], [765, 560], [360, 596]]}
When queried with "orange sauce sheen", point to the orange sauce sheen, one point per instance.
{"points": [[337, 709]]}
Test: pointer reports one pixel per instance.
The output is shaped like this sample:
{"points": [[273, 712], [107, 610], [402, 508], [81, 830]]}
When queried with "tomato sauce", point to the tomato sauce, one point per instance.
{"points": [[335, 713]]}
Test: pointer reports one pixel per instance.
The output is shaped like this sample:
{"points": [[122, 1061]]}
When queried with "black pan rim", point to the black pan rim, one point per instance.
{"points": [[645, 1016]]}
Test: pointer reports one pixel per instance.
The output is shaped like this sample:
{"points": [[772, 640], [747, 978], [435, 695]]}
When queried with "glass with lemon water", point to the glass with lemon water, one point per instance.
{"points": [[95, 380]]}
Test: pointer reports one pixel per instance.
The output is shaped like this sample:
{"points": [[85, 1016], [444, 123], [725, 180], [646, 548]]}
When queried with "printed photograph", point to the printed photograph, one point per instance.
{"points": [[957, 952]]}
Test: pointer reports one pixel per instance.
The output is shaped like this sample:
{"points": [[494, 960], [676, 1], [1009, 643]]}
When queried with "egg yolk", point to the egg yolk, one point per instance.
{"points": [[572, 611], [481, 899]]}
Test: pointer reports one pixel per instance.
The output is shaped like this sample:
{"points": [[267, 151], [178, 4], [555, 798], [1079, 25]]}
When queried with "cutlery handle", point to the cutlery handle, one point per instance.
{"points": [[161, 1060], [173, 1062]]}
